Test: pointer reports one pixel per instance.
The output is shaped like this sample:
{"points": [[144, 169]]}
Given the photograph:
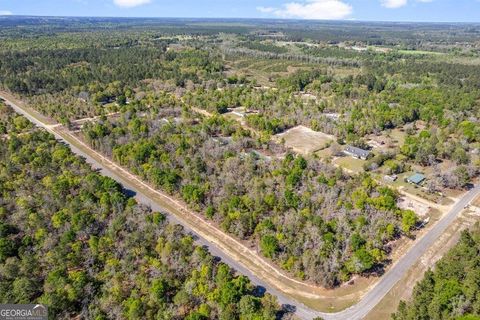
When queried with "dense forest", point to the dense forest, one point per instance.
{"points": [[91, 78], [452, 289], [73, 240]]}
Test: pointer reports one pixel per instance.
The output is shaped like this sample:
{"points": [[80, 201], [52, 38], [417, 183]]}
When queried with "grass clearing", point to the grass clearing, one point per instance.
{"points": [[350, 164], [398, 136], [421, 52], [324, 154]]}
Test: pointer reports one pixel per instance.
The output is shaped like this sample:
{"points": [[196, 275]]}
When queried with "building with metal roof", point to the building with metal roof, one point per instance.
{"points": [[357, 152], [416, 179]]}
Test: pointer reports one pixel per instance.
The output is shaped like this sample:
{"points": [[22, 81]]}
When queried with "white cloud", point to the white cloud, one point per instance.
{"points": [[393, 4], [312, 9], [130, 3], [266, 9], [5, 13]]}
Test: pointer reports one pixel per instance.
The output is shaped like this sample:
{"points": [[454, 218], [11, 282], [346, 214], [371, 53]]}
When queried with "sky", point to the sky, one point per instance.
{"points": [[362, 10]]}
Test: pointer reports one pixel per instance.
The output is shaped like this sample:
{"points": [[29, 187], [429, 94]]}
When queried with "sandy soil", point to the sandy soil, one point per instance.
{"points": [[304, 140], [408, 203], [476, 202]]}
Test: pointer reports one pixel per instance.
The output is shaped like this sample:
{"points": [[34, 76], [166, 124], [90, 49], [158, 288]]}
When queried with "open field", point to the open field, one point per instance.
{"points": [[266, 71], [398, 136], [304, 140], [386, 141], [421, 52], [324, 154]]}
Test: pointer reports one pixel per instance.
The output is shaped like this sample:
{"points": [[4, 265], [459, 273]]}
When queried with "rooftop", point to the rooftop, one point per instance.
{"points": [[417, 178], [357, 151]]}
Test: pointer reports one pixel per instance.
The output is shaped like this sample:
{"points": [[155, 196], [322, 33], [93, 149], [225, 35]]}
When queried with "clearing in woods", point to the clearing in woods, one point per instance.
{"points": [[304, 140], [409, 203]]}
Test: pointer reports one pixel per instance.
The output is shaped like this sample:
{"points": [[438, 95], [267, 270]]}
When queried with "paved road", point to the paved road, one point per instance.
{"points": [[357, 311], [374, 296]]}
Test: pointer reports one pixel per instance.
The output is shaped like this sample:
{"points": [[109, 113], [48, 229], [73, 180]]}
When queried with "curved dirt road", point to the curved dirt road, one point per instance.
{"points": [[256, 267]]}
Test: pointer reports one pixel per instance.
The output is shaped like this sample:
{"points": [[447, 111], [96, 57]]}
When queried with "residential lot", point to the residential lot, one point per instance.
{"points": [[304, 140], [409, 203]]}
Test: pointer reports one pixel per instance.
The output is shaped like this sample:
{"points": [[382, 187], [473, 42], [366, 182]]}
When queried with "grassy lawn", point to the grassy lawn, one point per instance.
{"points": [[398, 136], [350, 163], [324, 153]]}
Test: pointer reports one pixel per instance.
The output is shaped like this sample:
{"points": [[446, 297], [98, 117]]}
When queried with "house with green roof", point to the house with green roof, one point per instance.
{"points": [[416, 179]]}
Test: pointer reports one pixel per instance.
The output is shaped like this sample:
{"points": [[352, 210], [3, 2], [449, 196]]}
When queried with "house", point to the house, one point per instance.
{"points": [[357, 153], [416, 179]]}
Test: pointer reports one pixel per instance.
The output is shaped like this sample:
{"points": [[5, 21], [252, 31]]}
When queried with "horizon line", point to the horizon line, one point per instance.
{"points": [[242, 18]]}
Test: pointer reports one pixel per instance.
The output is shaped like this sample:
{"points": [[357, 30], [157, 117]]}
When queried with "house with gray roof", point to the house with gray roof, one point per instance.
{"points": [[357, 153]]}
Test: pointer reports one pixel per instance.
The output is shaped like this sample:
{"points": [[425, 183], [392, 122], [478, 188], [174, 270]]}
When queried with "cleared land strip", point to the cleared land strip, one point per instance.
{"points": [[246, 260]]}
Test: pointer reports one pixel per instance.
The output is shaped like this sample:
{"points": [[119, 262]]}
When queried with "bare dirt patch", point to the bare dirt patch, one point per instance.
{"points": [[304, 140], [409, 203], [476, 202]]}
